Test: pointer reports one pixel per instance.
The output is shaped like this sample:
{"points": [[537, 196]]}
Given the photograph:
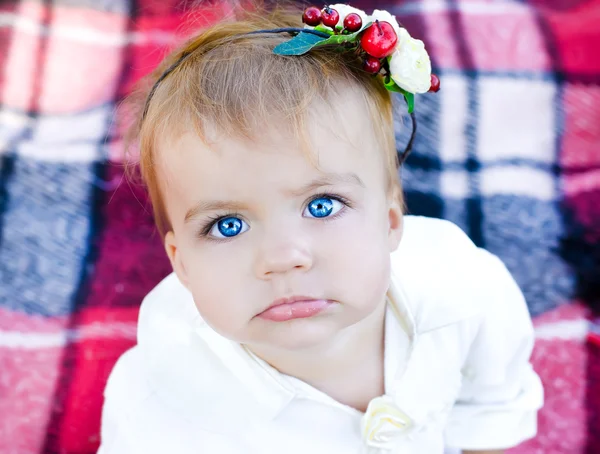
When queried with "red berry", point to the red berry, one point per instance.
{"points": [[312, 16], [352, 22], [372, 65], [435, 84], [330, 17], [379, 40]]}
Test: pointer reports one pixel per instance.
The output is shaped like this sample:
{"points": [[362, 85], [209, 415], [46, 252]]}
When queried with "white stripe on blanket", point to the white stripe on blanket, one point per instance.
{"points": [[575, 330], [32, 341]]}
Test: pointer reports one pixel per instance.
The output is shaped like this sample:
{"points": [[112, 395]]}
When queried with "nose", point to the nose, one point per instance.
{"points": [[283, 254]]}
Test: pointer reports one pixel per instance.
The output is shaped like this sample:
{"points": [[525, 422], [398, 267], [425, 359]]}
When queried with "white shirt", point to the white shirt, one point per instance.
{"points": [[458, 338]]}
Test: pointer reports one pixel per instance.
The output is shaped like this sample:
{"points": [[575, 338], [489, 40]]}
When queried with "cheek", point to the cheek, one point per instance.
{"points": [[358, 255], [211, 274]]}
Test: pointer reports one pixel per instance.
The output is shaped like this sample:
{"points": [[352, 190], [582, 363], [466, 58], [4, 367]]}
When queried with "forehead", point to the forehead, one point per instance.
{"points": [[340, 137]]}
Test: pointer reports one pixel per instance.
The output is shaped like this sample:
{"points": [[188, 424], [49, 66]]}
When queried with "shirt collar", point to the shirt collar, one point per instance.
{"points": [[263, 381]]}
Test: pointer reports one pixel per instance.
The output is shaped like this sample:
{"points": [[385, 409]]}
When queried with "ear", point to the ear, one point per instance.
{"points": [[175, 258], [395, 219]]}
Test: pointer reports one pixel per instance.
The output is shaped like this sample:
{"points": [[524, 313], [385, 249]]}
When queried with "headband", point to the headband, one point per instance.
{"points": [[388, 50]]}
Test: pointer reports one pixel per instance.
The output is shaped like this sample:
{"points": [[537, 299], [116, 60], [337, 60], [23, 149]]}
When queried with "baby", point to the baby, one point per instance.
{"points": [[306, 313]]}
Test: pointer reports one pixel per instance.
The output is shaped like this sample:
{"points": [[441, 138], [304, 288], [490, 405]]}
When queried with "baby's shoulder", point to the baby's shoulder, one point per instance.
{"points": [[433, 240], [444, 276], [137, 418], [439, 252], [127, 383]]}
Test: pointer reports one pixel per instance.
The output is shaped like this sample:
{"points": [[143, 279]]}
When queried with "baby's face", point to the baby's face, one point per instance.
{"points": [[254, 223]]}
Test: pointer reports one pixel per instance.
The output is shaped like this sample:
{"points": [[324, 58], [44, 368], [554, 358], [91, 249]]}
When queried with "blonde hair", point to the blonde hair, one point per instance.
{"points": [[234, 82]]}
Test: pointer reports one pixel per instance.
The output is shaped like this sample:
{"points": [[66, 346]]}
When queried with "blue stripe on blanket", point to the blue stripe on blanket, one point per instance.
{"points": [[46, 225], [524, 233]]}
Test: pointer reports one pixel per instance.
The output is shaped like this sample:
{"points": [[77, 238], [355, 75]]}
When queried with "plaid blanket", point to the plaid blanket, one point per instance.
{"points": [[509, 150]]}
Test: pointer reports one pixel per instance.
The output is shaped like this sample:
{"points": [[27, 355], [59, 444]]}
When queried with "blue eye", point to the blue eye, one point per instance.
{"points": [[228, 227], [322, 207]]}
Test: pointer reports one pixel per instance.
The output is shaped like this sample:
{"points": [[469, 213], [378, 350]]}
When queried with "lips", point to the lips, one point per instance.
{"points": [[285, 309]]}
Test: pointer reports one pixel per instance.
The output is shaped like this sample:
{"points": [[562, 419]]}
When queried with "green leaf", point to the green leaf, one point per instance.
{"points": [[340, 39], [409, 97], [410, 100], [391, 85], [322, 28], [299, 44], [303, 42]]}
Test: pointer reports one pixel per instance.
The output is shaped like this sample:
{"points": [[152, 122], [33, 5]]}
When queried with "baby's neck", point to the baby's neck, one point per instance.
{"points": [[350, 369]]}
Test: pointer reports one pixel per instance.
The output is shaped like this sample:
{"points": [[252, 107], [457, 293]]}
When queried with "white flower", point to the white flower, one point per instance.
{"points": [[384, 16], [384, 423], [410, 66]]}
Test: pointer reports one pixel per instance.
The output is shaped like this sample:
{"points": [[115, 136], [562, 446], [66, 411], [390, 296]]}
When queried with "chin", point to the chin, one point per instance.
{"points": [[300, 334]]}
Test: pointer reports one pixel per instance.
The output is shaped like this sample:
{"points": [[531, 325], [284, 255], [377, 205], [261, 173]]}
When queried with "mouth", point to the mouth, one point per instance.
{"points": [[285, 309]]}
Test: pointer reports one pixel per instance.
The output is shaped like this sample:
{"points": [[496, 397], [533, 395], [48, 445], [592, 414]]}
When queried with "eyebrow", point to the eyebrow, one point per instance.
{"points": [[225, 205], [329, 179], [213, 205]]}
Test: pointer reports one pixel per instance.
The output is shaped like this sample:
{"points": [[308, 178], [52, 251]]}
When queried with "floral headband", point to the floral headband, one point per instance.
{"points": [[388, 49]]}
